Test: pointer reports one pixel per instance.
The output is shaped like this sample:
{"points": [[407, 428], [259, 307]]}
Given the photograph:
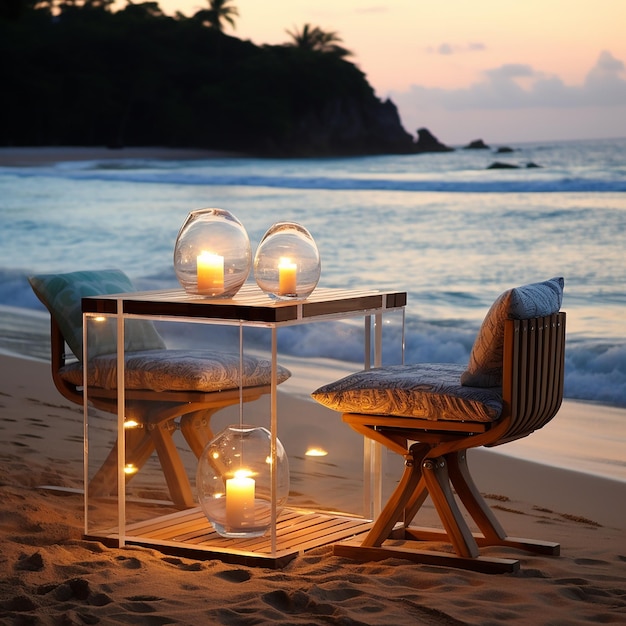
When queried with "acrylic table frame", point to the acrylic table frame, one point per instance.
{"points": [[250, 307]]}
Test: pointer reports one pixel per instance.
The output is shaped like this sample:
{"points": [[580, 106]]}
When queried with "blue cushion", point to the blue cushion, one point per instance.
{"points": [[535, 300], [62, 294]]}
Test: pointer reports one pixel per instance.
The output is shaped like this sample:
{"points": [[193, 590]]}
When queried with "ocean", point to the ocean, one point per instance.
{"points": [[445, 227]]}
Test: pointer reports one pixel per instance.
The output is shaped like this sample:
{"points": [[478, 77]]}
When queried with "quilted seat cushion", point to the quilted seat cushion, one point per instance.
{"points": [[429, 391], [175, 370]]}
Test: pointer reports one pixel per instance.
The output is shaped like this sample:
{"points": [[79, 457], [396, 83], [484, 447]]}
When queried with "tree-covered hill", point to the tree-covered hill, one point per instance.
{"points": [[90, 76]]}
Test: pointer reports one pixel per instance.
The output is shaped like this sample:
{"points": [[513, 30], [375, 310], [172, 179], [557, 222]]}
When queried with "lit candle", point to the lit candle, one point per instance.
{"points": [[210, 272], [239, 499], [286, 277]]}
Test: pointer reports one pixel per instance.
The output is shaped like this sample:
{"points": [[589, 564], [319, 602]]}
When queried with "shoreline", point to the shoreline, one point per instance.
{"points": [[47, 155]]}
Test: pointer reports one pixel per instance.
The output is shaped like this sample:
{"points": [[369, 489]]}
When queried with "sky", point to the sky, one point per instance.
{"points": [[499, 70]]}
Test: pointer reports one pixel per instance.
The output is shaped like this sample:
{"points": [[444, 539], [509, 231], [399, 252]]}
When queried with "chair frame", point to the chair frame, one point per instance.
{"points": [[155, 413], [436, 459]]}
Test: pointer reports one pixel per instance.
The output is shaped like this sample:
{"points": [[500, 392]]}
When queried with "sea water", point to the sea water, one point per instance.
{"points": [[445, 228]]}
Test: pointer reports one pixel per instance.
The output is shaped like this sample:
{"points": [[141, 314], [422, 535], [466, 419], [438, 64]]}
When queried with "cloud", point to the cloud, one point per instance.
{"points": [[510, 70], [607, 63], [520, 86], [446, 49]]}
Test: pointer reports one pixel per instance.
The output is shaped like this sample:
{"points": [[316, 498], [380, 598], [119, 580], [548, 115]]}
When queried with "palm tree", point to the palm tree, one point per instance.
{"points": [[219, 11], [314, 38]]}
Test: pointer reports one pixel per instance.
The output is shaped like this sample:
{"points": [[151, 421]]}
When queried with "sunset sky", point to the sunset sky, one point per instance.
{"points": [[500, 70]]}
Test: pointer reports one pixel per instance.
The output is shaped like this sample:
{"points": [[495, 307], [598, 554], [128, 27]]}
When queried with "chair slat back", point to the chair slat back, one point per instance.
{"points": [[533, 370]]}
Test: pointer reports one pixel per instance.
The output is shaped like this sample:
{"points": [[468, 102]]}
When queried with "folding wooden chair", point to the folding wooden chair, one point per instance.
{"points": [[431, 419], [192, 385]]}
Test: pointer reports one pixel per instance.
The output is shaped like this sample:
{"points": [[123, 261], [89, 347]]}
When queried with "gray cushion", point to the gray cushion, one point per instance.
{"points": [[176, 370], [62, 294], [428, 391], [535, 300]]}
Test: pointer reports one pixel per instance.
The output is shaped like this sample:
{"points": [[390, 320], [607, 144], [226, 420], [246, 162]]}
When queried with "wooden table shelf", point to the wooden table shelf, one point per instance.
{"points": [[189, 534]]}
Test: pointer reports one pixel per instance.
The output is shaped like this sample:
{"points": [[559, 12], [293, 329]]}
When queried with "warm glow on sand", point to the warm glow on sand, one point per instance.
{"points": [[316, 452]]}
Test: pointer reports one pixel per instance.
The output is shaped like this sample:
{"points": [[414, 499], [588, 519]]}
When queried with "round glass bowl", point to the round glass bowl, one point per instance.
{"points": [[212, 255], [234, 481], [287, 262]]}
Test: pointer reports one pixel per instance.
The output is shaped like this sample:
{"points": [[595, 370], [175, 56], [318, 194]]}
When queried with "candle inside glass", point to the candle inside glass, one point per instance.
{"points": [[287, 277], [210, 268], [239, 499]]}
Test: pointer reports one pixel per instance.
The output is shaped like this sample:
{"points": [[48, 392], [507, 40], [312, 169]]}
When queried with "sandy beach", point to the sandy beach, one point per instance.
{"points": [[51, 575]]}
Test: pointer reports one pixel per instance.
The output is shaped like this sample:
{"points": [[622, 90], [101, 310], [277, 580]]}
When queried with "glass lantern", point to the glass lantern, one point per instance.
{"points": [[234, 481], [287, 262], [212, 256]]}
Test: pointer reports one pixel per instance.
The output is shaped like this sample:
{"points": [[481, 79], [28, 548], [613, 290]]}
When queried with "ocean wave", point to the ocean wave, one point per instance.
{"points": [[482, 182], [595, 370]]}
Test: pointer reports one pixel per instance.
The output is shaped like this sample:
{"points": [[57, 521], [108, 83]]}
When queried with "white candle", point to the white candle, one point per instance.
{"points": [[287, 277], [239, 500], [210, 273]]}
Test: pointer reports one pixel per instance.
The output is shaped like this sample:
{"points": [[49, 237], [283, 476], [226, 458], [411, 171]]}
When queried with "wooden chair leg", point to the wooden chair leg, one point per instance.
{"points": [[493, 533], [172, 465], [196, 429], [396, 505], [472, 500], [435, 471], [139, 447]]}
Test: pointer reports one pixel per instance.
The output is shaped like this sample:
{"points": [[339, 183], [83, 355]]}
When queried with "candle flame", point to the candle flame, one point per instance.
{"points": [[243, 473]]}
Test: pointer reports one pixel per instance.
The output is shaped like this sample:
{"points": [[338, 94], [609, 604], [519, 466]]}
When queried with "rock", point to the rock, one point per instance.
{"points": [[499, 165], [427, 142], [530, 164], [504, 150], [346, 126], [477, 144]]}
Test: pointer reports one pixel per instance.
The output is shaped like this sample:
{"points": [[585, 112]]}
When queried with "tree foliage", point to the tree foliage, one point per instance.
{"points": [[314, 38], [219, 11], [85, 75]]}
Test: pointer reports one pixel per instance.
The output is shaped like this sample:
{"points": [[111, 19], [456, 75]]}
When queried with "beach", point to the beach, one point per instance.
{"points": [[51, 575]]}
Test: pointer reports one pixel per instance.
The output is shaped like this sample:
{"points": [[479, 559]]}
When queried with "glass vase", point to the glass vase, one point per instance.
{"points": [[287, 262], [234, 481], [212, 255]]}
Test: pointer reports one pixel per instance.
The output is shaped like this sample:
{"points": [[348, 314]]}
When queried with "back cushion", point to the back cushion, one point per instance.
{"points": [[62, 294], [535, 300]]}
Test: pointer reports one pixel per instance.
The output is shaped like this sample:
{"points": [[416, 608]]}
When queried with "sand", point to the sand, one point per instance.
{"points": [[49, 574]]}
